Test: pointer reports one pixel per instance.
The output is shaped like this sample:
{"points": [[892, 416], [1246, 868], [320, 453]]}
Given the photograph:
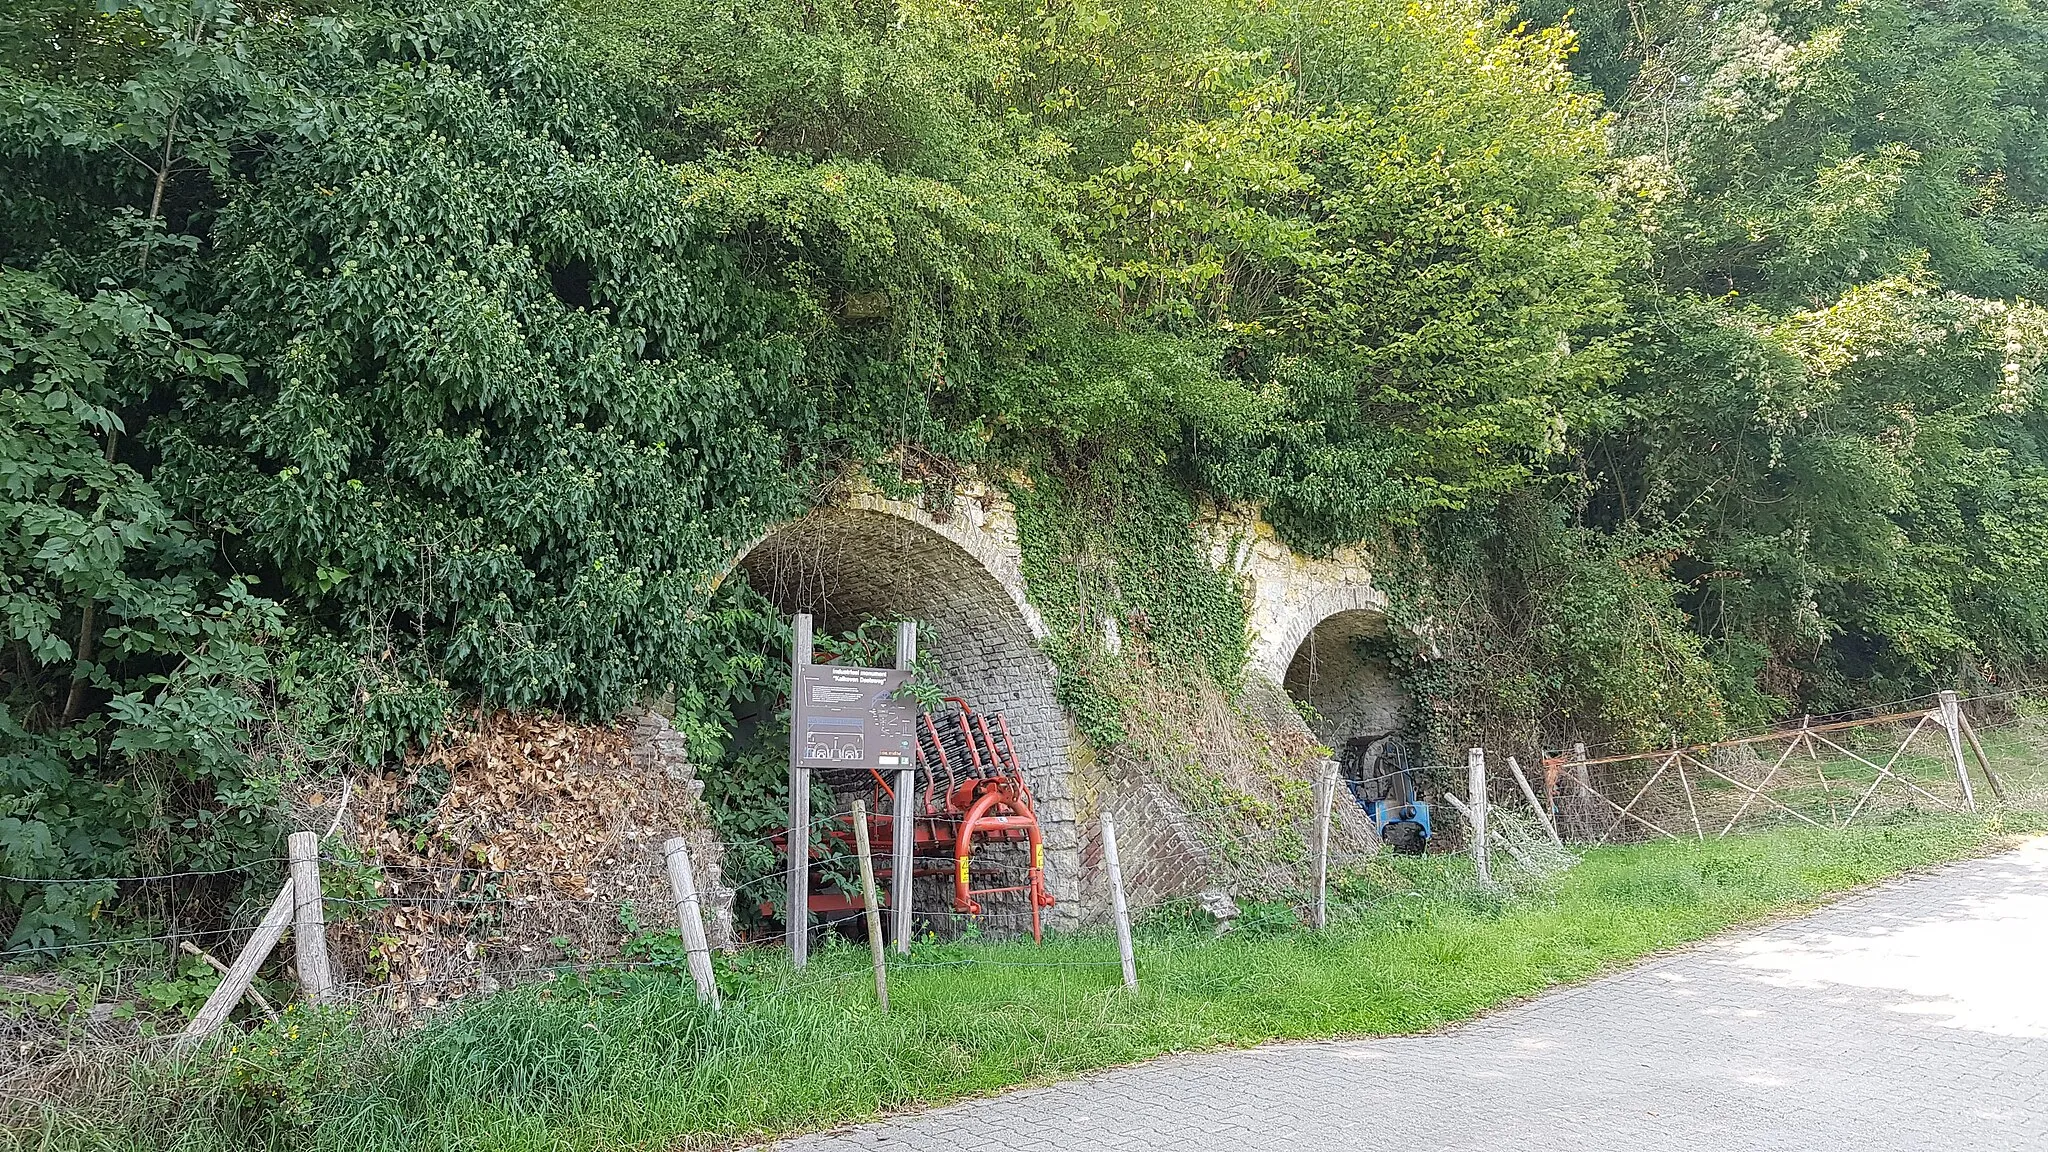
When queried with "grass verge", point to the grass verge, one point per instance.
{"points": [[630, 1060]]}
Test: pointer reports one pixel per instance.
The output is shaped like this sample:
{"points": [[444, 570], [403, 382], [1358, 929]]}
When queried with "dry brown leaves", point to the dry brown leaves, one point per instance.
{"points": [[510, 846]]}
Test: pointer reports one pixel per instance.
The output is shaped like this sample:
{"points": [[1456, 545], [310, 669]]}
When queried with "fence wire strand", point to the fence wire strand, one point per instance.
{"points": [[422, 938]]}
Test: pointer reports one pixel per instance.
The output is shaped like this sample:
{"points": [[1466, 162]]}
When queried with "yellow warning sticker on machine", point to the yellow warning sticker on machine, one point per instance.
{"points": [[963, 869], [1038, 855]]}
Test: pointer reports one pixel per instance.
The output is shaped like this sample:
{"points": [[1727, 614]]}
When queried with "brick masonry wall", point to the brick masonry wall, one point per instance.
{"points": [[960, 574], [959, 571]]}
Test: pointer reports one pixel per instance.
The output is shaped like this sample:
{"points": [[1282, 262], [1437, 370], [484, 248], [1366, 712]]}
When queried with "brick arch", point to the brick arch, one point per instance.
{"points": [[961, 577], [1349, 692], [1363, 606]]}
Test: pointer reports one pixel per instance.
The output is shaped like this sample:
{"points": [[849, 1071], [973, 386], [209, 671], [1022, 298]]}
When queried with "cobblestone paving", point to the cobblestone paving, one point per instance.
{"points": [[1914, 1016]]}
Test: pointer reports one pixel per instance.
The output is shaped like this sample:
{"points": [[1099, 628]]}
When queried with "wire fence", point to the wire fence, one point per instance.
{"points": [[1919, 755], [411, 939]]}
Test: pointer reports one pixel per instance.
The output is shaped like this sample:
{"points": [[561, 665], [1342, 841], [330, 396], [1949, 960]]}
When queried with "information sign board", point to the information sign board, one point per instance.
{"points": [[850, 717]]}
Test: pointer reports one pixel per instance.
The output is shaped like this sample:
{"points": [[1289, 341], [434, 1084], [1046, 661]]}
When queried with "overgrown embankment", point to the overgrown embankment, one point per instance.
{"points": [[631, 1060], [361, 367]]}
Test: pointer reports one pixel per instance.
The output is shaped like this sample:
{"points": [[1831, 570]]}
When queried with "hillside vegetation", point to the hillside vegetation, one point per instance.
{"points": [[363, 363]]}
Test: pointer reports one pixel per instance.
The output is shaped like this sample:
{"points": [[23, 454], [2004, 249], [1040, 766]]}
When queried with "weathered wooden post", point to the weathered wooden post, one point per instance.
{"points": [[255, 997], [1118, 907], [1583, 780], [309, 918], [243, 971], [1535, 805], [1678, 761], [1325, 795], [1983, 761], [1475, 781], [1952, 722], [797, 910], [904, 826], [682, 883], [870, 906]]}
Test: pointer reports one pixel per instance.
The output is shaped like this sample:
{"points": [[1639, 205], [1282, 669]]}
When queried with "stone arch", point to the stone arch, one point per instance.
{"points": [[961, 576], [1350, 693], [1362, 607]]}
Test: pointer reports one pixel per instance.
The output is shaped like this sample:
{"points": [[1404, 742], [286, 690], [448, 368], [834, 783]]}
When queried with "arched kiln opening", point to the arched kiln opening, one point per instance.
{"points": [[848, 565], [1350, 692]]}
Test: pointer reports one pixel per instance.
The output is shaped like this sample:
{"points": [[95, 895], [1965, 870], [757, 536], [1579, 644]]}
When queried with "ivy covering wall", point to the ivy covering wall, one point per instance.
{"points": [[364, 362]]}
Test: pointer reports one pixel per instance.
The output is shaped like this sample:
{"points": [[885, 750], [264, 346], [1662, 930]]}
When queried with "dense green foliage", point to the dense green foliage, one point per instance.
{"points": [[366, 360], [1831, 394], [1815, 475], [630, 1060]]}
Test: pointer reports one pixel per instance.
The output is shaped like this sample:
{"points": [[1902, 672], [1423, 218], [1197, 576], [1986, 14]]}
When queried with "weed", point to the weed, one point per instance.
{"points": [[631, 1060]]}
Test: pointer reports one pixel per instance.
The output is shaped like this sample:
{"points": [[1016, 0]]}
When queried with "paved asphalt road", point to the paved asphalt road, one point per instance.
{"points": [[1914, 1016]]}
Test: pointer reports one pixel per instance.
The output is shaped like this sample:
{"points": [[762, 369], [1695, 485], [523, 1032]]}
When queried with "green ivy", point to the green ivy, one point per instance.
{"points": [[1110, 546]]}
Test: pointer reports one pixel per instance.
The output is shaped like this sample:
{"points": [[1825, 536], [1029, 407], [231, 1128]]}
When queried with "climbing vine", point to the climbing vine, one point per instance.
{"points": [[1150, 643], [1513, 627], [1111, 560]]}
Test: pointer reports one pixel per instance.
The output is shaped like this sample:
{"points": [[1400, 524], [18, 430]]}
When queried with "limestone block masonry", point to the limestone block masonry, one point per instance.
{"points": [[1288, 594], [959, 570]]}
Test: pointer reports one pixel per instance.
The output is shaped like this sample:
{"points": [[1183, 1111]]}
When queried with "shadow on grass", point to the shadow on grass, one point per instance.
{"points": [[631, 1060]]}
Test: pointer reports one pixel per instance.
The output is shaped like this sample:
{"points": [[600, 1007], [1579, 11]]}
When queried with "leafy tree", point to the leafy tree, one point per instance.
{"points": [[1833, 364], [1385, 221], [136, 675]]}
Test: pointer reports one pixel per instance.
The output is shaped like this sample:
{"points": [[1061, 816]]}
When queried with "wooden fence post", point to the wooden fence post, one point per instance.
{"points": [[1583, 779], [1118, 908], [309, 918], [1535, 805], [870, 906], [268, 932], [1325, 794], [1952, 722], [796, 910], [682, 884], [904, 826], [1983, 761], [1475, 776], [255, 997], [1678, 761]]}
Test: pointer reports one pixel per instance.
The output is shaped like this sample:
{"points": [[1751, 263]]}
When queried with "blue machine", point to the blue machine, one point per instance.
{"points": [[1376, 770]]}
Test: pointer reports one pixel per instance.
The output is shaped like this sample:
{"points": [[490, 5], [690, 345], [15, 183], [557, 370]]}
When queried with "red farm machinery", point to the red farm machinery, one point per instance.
{"points": [[971, 796]]}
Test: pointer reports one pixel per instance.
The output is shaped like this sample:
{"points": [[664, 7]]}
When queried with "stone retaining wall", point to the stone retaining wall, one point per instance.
{"points": [[959, 570]]}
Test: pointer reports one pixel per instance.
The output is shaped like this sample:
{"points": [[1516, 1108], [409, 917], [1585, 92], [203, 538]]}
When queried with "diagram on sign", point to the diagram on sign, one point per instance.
{"points": [[849, 717]]}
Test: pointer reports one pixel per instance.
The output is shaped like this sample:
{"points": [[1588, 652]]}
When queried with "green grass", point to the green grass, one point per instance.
{"points": [[1826, 786], [631, 1061]]}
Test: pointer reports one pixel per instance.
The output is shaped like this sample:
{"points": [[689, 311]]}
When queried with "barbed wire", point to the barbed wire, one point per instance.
{"points": [[1699, 806], [143, 879], [607, 868], [1861, 711], [165, 938]]}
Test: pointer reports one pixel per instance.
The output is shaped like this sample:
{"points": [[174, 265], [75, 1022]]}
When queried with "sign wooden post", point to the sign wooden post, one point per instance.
{"points": [[797, 911], [904, 826], [850, 720]]}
